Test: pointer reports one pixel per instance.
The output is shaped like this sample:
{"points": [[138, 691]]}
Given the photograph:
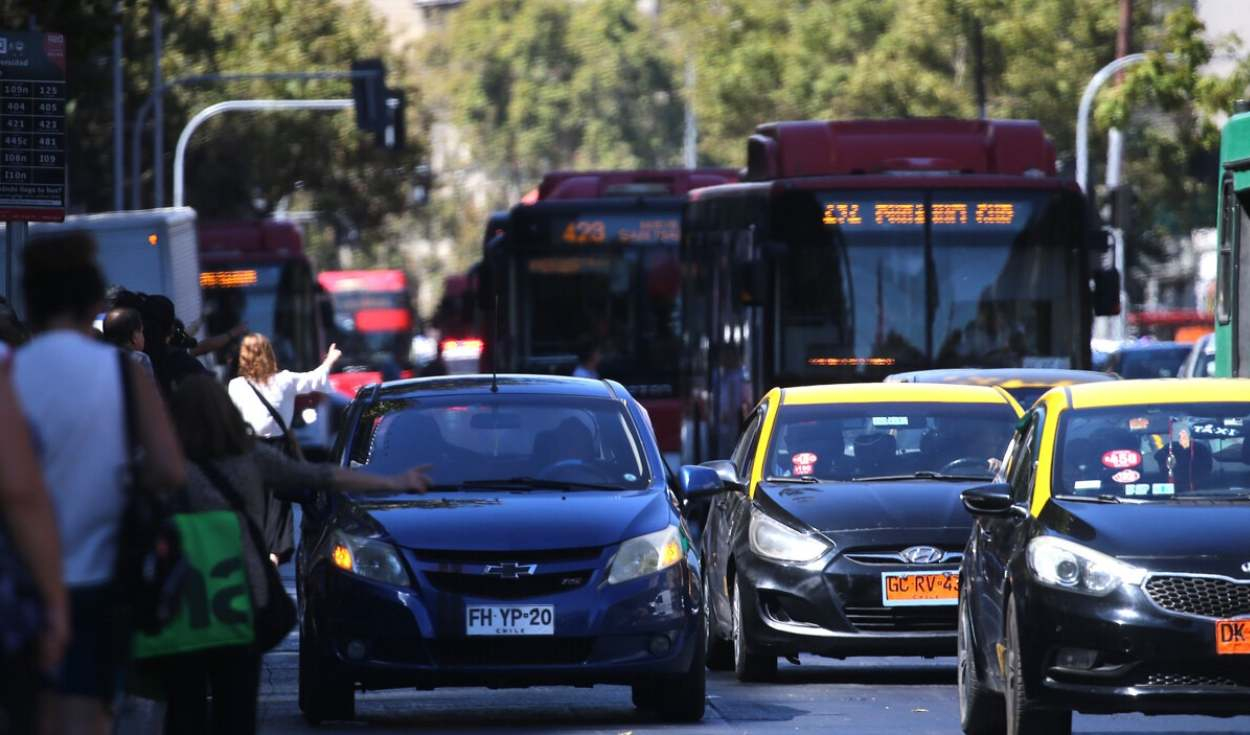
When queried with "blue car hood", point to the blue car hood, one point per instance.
{"points": [[518, 521]]}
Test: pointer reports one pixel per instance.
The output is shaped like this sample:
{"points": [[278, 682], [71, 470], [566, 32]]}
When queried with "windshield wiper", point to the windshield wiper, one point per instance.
{"points": [[923, 475], [1210, 496], [805, 479], [538, 483], [1104, 498]]}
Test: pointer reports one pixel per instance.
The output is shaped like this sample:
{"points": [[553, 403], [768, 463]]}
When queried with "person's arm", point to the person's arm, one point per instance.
{"points": [[283, 473], [218, 341], [353, 481], [317, 380], [162, 456], [27, 510]]}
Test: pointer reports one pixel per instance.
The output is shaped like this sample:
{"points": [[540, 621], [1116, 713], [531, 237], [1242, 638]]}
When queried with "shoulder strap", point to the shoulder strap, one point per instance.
{"points": [[277, 417], [227, 491], [130, 429]]}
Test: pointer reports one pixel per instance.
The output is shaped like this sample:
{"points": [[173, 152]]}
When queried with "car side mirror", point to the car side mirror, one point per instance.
{"points": [[988, 500], [699, 482], [727, 472]]}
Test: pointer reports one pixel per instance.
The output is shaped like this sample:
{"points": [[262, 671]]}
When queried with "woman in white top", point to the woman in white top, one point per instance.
{"points": [[259, 376], [258, 372]]}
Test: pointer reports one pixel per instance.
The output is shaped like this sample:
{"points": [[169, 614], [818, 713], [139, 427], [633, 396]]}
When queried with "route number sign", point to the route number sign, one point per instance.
{"points": [[33, 178]]}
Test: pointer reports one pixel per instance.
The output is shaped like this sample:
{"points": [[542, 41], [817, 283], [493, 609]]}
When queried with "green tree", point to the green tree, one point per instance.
{"points": [[1170, 109], [241, 164]]}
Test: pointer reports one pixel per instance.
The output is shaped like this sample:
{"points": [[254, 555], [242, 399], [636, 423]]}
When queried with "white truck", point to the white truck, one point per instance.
{"points": [[150, 250]]}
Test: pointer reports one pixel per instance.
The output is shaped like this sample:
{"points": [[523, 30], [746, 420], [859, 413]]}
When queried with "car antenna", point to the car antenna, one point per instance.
{"points": [[494, 364]]}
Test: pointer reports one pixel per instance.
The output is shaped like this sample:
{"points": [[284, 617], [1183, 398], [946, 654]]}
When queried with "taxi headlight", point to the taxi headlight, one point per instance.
{"points": [[369, 558], [775, 540], [647, 554], [1066, 565]]}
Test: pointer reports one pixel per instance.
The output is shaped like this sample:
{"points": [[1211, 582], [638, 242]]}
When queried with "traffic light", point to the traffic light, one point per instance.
{"points": [[369, 93]]}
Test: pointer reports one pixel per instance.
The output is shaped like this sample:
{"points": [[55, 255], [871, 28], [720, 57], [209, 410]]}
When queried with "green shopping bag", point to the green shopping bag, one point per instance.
{"points": [[216, 604]]}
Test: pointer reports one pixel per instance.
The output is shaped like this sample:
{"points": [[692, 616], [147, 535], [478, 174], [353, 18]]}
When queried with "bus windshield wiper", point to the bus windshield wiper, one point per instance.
{"points": [[923, 475], [805, 479], [537, 483]]}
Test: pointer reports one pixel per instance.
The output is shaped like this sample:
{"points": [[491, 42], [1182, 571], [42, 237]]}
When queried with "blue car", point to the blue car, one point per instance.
{"points": [[550, 550]]}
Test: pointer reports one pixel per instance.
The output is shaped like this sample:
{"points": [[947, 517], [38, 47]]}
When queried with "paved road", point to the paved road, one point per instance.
{"points": [[861, 696]]}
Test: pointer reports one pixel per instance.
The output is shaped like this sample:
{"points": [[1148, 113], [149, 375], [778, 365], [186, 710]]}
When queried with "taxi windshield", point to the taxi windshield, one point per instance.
{"points": [[1156, 453], [482, 439], [852, 441]]}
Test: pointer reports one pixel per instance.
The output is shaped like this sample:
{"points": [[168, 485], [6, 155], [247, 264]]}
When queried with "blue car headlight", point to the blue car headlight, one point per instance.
{"points": [[370, 558], [647, 554]]}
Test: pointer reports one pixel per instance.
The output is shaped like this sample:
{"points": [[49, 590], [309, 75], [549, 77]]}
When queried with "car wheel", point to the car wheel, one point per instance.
{"points": [[748, 665], [980, 709], [1024, 716], [646, 696], [322, 695], [682, 698], [720, 652]]}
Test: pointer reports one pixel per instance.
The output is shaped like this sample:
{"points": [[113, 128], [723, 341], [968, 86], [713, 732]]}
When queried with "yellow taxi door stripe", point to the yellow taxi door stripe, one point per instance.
{"points": [[1046, 458], [773, 399]]}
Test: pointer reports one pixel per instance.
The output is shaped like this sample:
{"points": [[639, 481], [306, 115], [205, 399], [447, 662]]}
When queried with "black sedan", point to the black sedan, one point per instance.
{"points": [[842, 532], [1109, 568], [550, 549]]}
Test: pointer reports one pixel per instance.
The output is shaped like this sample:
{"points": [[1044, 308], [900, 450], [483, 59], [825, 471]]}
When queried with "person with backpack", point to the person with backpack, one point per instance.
{"points": [[230, 470], [73, 395]]}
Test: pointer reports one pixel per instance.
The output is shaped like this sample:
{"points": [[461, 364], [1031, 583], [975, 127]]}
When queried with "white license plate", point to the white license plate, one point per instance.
{"points": [[510, 619]]}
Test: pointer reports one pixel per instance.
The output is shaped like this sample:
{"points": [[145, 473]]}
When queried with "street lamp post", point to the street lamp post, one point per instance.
{"points": [[180, 152]]}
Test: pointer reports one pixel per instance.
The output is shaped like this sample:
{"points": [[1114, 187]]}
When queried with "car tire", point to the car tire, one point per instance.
{"points": [[322, 695], [980, 708], [748, 665], [720, 652], [1024, 716], [646, 697], [683, 698]]}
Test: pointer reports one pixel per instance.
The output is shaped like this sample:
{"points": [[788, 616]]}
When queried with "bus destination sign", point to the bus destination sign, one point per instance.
{"points": [[32, 126], [885, 214], [618, 229]]}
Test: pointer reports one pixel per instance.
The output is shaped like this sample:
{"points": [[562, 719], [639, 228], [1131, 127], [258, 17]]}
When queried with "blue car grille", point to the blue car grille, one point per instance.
{"points": [[511, 651], [1207, 596], [499, 588]]}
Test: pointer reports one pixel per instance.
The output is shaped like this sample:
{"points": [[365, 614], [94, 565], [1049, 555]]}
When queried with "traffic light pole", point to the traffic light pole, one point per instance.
{"points": [[180, 152]]}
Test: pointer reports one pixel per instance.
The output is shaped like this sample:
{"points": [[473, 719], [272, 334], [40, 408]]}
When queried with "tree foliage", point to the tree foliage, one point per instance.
{"points": [[240, 164]]}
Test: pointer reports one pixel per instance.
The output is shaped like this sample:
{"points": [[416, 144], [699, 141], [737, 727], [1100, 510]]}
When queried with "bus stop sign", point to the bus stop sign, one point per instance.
{"points": [[32, 126]]}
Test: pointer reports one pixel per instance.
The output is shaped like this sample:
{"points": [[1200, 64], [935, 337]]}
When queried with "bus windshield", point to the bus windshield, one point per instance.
{"points": [[274, 299], [903, 279], [605, 282]]}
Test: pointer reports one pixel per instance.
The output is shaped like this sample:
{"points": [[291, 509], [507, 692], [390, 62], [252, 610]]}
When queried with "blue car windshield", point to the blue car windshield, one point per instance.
{"points": [[1155, 453], [848, 441], [472, 439]]}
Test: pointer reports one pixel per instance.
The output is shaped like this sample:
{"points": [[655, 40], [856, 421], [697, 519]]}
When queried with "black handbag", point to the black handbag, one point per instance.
{"points": [[277, 617], [149, 570]]}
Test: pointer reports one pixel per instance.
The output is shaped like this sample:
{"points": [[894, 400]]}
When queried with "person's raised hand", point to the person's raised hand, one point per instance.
{"points": [[333, 354]]}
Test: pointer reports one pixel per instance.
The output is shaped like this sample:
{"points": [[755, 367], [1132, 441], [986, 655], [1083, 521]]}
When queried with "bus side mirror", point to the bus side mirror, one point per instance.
{"points": [[1107, 292], [751, 283]]}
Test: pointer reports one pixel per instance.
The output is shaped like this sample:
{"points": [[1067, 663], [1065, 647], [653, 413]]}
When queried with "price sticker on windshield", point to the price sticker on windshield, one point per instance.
{"points": [[1121, 459], [804, 463]]}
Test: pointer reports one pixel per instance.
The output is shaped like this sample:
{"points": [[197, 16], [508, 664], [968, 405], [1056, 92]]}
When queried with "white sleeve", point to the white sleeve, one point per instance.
{"points": [[313, 381]]}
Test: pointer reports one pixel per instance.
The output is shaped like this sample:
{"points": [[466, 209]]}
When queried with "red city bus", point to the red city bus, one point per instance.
{"points": [[589, 261], [856, 249], [374, 325]]}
